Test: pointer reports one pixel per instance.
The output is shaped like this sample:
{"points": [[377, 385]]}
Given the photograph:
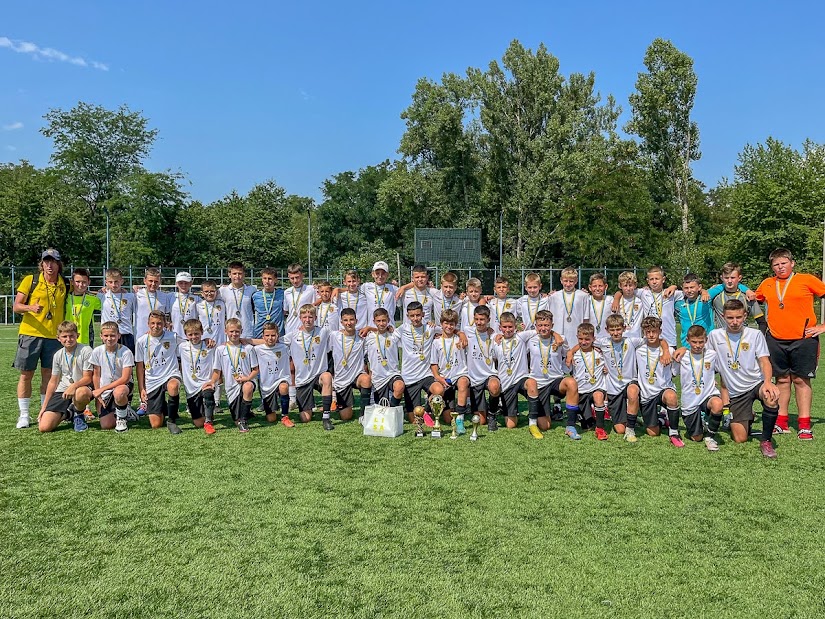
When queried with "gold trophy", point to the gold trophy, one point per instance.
{"points": [[476, 421], [418, 413], [437, 407], [453, 416]]}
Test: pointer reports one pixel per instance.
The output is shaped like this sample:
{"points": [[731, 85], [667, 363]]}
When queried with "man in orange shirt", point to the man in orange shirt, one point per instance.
{"points": [[793, 335]]}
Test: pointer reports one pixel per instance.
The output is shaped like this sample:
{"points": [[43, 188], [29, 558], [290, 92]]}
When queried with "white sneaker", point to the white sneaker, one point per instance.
{"points": [[711, 444], [22, 422], [120, 425]]}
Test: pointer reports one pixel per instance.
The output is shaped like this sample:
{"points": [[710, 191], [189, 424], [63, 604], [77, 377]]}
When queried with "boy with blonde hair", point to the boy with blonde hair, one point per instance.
{"points": [[118, 305], [149, 298], [237, 297], [68, 392], [236, 364], [628, 305], [587, 369], [501, 302], [382, 357], [112, 365], [656, 383], [196, 363], [448, 362], [532, 302], [571, 307], [268, 303], [351, 296], [274, 376]]}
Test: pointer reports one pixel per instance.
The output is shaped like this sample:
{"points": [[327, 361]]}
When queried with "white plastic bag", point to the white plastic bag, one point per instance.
{"points": [[384, 420]]}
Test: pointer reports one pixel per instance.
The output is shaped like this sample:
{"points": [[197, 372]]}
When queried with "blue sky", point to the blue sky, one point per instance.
{"points": [[243, 92]]}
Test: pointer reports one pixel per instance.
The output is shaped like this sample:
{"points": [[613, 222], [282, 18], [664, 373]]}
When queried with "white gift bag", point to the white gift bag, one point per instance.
{"points": [[384, 420]]}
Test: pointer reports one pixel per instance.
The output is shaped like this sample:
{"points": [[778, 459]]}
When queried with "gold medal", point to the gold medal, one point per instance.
{"points": [[620, 377], [734, 365], [268, 317], [421, 357], [652, 380], [592, 381], [487, 361], [697, 391], [384, 362], [306, 361], [344, 363], [448, 366], [509, 371], [236, 375], [544, 370], [194, 375]]}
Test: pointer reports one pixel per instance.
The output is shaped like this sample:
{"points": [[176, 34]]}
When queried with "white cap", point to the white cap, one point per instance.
{"points": [[183, 276], [380, 265]]}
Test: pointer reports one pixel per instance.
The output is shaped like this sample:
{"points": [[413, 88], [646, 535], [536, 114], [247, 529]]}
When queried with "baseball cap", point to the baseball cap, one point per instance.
{"points": [[50, 253], [183, 276], [380, 265]]}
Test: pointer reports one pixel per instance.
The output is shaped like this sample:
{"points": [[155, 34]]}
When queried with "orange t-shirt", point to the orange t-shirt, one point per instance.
{"points": [[798, 294]]}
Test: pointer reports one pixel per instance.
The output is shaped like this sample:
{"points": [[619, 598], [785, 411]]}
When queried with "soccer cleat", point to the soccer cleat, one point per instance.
{"points": [[243, 426], [601, 434], [120, 425], [131, 415], [172, 427], [88, 415], [607, 416], [459, 425], [287, 422], [630, 435], [572, 433], [208, 427], [726, 419], [80, 424], [428, 420], [327, 423], [293, 404], [141, 411], [711, 444], [556, 414], [361, 419], [676, 440], [492, 423], [766, 447], [805, 435], [535, 432], [22, 422]]}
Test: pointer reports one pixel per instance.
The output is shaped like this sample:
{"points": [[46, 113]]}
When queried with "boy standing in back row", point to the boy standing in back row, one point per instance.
{"points": [[237, 297]]}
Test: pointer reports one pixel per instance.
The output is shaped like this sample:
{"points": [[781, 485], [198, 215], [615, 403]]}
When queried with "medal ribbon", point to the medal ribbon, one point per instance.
{"points": [[697, 378], [344, 347], [116, 306], [781, 297], [307, 349], [236, 362], [487, 355], [628, 320], [567, 310], [545, 356], [591, 369], [235, 296], [197, 356], [75, 311], [599, 315], [268, 308], [531, 313], [695, 310], [508, 354], [620, 363], [112, 364], [149, 300], [185, 308], [382, 352], [651, 373], [448, 353], [730, 348]]}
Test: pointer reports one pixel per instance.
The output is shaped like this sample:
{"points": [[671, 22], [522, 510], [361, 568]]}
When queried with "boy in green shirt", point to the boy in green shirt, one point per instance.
{"points": [[81, 305]]}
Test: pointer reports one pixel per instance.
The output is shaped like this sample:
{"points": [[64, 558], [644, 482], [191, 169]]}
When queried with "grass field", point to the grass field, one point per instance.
{"points": [[303, 523]]}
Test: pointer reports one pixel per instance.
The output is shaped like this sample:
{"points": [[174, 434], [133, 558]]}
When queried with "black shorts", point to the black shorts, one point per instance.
{"points": [[386, 390], [412, 393], [32, 350], [617, 405], [586, 403], [235, 407], [156, 401], [693, 423], [330, 363], [304, 394], [478, 403], [58, 404], [194, 404], [128, 340], [797, 357], [509, 397], [650, 409], [109, 402], [545, 394], [741, 406], [272, 401], [346, 397]]}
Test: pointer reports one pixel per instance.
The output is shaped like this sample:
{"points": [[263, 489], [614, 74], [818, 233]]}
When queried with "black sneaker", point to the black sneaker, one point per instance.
{"points": [[328, 424], [173, 427], [557, 414], [492, 423], [243, 426]]}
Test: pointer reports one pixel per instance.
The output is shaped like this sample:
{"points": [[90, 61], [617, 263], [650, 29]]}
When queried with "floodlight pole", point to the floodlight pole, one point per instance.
{"points": [[309, 243], [501, 244], [107, 237]]}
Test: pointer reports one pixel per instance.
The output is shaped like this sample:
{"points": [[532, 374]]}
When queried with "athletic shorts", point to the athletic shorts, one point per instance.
{"points": [[509, 397], [128, 340], [478, 403], [304, 394], [650, 409], [330, 363], [545, 394], [235, 407], [156, 401], [32, 349], [693, 421], [586, 404], [272, 401], [58, 404], [346, 396], [386, 390], [741, 406], [412, 393], [109, 402], [797, 357], [617, 405], [194, 404]]}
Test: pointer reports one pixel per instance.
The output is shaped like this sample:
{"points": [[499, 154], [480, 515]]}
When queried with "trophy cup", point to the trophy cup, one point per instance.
{"points": [[476, 421], [453, 416], [437, 407], [418, 413]]}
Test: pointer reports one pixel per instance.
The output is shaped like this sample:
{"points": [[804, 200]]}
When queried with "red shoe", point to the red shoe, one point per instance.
{"points": [[766, 447], [287, 422], [607, 415], [601, 434], [676, 441], [208, 427]]}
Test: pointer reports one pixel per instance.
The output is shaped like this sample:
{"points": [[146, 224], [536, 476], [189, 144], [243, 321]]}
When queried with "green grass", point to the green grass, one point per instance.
{"points": [[303, 523]]}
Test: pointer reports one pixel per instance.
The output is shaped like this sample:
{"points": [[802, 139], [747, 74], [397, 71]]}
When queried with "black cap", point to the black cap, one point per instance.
{"points": [[50, 253]]}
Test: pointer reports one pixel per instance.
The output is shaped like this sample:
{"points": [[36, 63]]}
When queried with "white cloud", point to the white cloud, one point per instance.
{"points": [[13, 126], [49, 53]]}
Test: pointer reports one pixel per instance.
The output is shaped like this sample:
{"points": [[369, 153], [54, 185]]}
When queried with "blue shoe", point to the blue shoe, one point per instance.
{"points": [[572, 433], [80, 424], [459, 425], [141, 411]]}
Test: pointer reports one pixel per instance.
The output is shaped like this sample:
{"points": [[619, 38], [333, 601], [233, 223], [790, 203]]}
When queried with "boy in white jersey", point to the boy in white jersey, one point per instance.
{"points": [[68, 392], [697, 373], [378, 292], [513, 371], [599, 305], [118, 306], [149, 298], [308, 348], [500, 302], [273, 374], [619, 352], [212, 314], [328, 315], [112, 365], [660, 302], [348, 360], [448, 362], [588, 369], [196, 362], [183, 305], [472, 300], [236, 364], [416, 339], [532, 302], [382, 357], [745, 367], [417, 291], [481, 358], [628, 305], [237, 297], [569, 306], [158, 373], [351, 296], [295, 297], [656, 383], [446, 298]]}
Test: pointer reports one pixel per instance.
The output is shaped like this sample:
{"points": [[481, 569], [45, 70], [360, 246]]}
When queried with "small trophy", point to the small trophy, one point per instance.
{"points": [[418, 413], [476, 421], [453, 416], [437, 407]]}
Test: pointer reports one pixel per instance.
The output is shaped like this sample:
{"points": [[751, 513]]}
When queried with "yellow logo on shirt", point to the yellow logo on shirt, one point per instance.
{"points": [[707, 365], [745, 346]]}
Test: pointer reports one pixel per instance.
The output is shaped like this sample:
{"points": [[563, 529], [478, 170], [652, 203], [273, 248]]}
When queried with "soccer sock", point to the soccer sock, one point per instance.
{"points": [[572, 413], [217, 396], [532, 410], [726, 409], [673, 415], [393, 400], [326, 404], [172, 405], [284, 406], [73, 412], [292, 392], [366, 395], [768, 422], [23, 405], [494, 404], [209, 405], [713, 423], [600, 416], [120, 411], [245, 409], [804, 423], [461, 409], [782, 421], [631, 421]]}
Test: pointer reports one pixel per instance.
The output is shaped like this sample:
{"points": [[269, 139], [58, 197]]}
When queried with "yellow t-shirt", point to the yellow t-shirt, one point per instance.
{"points": [[52, 301]]}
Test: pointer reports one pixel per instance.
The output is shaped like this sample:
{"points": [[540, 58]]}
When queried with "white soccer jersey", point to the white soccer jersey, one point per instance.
{"points": [[512, 360], [481, 356], [329, 316], [213, 319], [441, 303], [649, 368], [146, 302], [416, 345], [118, 307], [69, 366], [273, 366], [347, 357], [527, 308], [382, 356], [569, 309], [599, 313], [697, 376], [450, 359], [379, 296], [631, 311], [738, 358], [587, 369], [547, 360], [358, 302], [238, 303], [498, 307], [620, 359], [111, 364], [467, 321], [160, 358], [424, 297], [182, 307], [655, 304], [308, 350], [234, 361], [294, 299], [196, 364]]}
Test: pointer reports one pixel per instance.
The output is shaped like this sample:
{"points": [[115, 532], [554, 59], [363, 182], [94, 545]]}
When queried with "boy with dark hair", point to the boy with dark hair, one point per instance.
{"points": [[81, 306], [268, 303], [196, 363], [348, 360], [599, 306], [118, 306], [570, 306], [500, 302], [448, 362], [150, 298], [481, 358], [158, 373], [514, 373], [417, 291], [274, 375], [656, 383], [237, 297], [382, 356], [351, 296], [691, 309], [587, 369]]}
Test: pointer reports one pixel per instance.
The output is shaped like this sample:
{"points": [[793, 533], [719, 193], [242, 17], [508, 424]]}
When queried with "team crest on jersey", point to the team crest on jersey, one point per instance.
{"points": [[508, 306], [277, 354], [218, 308], [636, 307], [598, 361], [166, 345], [123, 303], [745, 346], [243, 355], [203, 353], [707, 365], [389, 342], [317, 339], [191, 299]]}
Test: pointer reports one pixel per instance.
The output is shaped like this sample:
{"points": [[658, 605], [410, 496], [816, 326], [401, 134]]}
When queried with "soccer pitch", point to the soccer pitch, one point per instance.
{"points": [[306, 523]]}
